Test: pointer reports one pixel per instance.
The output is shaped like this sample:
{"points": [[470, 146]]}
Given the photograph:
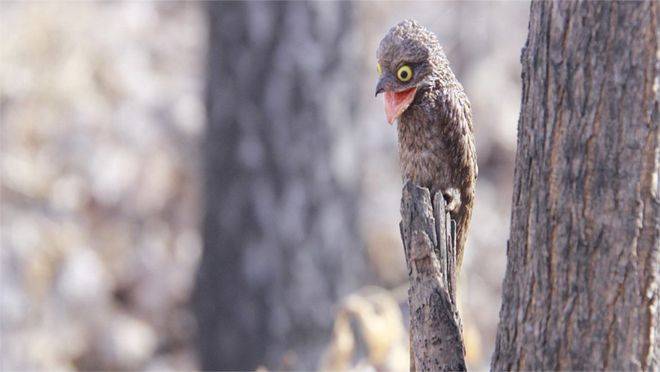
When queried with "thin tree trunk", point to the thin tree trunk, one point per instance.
{"points": [[429, 241], [281, 245], [581, 290]]}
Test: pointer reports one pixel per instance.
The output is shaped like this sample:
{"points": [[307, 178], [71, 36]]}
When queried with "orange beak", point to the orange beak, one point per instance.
{"points": [[397, 102]]}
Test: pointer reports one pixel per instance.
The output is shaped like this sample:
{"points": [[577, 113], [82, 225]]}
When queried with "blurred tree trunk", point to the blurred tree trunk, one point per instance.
{"points": [[280, 236], [582, 284]]}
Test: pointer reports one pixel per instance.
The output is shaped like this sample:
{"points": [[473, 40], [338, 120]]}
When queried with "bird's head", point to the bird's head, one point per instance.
{"points": [[407, 57]]}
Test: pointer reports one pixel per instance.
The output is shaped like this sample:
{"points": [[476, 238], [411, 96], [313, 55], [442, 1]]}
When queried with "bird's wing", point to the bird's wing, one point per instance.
{"points": [[467, 118]]}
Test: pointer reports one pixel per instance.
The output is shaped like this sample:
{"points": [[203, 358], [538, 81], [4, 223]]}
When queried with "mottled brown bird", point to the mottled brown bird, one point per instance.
{"points": [[436, 142]]}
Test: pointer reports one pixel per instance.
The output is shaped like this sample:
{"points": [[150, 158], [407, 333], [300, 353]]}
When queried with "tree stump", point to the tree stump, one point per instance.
{"points": [[429, 241]]}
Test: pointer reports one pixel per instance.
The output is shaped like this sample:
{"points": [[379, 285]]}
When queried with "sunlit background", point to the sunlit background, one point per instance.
{"points": [[103, 118]]}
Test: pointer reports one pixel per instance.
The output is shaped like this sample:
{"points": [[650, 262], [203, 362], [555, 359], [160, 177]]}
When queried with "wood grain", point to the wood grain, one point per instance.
{"points": [[582, 282], [429, 239]]}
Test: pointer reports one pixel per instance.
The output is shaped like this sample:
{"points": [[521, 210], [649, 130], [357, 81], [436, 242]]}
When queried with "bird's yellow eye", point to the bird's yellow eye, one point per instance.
{"points": [[380, 70], [404, 73]]}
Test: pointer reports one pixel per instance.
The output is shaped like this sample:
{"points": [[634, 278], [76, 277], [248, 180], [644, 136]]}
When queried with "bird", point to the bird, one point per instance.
{"points": [[435, 131]]}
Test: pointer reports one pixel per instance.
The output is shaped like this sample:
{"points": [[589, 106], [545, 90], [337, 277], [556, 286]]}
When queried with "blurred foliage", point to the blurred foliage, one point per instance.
{"points": [[101, 111]]}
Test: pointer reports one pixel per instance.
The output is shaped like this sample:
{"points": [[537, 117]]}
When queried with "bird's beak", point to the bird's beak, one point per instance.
{"points": [[395, 102], [380, 87]]}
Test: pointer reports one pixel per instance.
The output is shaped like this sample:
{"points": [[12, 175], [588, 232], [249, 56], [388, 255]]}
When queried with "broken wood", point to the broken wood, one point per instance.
{"points": [[429, 241]]}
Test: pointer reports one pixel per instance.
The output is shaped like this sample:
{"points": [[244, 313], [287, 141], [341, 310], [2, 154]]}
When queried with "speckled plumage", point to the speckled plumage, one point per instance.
{"points": [[436, 141]]}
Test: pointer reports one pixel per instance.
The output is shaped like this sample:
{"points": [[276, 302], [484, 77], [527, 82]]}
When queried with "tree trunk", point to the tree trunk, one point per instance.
{"points": [[280, 235], [429, 241], [581, 290]]}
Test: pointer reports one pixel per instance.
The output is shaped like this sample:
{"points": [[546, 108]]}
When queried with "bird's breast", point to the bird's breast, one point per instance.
{"points": [[421, 165], [425, 153]]}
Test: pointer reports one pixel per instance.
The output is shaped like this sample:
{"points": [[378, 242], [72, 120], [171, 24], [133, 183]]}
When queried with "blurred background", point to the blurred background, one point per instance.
{"points": [[213, 186]]}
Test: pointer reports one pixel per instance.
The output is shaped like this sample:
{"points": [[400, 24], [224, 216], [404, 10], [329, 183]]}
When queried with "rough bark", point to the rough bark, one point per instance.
{"points": [[429, 241], [281, 245], [582, 281]]}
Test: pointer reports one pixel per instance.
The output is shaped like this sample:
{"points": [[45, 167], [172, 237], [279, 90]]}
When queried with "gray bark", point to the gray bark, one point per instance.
{"points": [[429, 241], [281, 245], [581, 290]]}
